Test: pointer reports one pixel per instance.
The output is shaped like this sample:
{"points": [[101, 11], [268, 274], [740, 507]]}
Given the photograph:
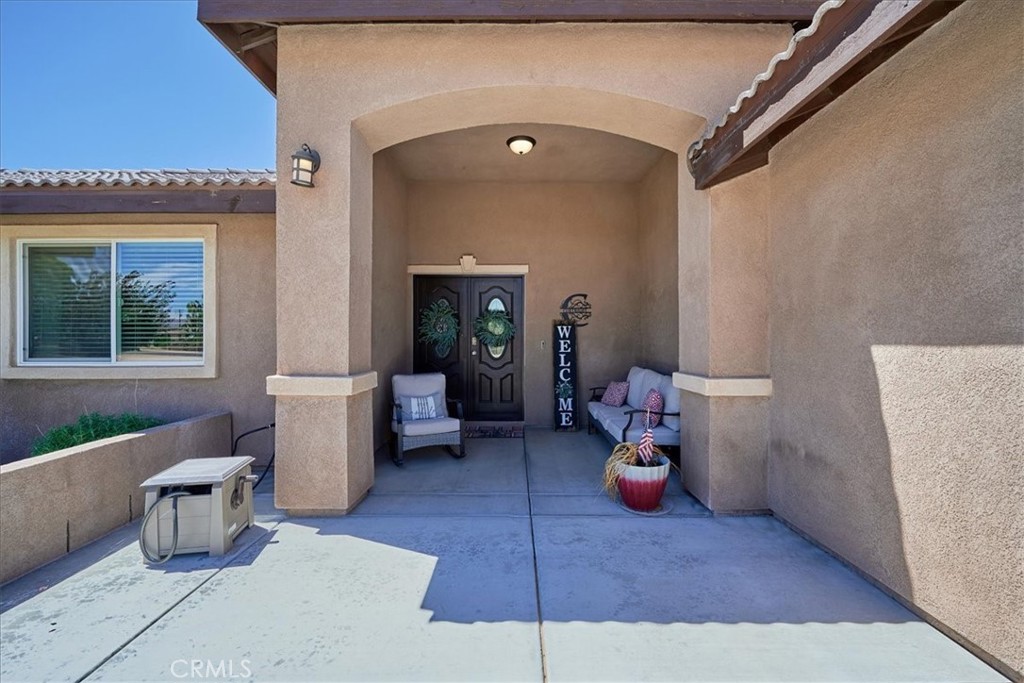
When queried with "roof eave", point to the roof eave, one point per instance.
{"points": [[854, 38], [223, 18], [375, 11]]}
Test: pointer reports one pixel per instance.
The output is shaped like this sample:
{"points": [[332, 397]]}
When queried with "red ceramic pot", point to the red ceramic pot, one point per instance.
{"points": [[641, 488]]}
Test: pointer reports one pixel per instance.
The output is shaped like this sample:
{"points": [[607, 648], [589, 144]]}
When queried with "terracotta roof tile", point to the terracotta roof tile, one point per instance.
{"points": [[765, 75], [136, 178]]}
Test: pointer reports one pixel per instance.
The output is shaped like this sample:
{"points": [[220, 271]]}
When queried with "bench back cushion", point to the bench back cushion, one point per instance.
{"points": [[642, 380], [637, 386], [670, 394]]}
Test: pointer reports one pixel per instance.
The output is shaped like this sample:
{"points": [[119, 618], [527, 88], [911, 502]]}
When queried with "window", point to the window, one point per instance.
{"points": [[112, 302]]}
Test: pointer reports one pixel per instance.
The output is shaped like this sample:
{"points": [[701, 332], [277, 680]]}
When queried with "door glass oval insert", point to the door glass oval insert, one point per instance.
{"points": [[496, 304]]}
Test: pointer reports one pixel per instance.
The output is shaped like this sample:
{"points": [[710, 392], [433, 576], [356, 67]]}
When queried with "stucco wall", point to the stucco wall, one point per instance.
{"points": [[351, 91], [246, 334], [575, 237], [658, 218], [897, 326], [392, 346], [55, 503]]}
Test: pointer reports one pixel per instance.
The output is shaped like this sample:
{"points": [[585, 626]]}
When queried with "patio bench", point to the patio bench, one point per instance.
{"points": [[625, 422]]}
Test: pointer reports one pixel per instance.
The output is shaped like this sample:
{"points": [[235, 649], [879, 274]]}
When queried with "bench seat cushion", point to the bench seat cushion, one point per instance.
{"points": [[613, 420]]}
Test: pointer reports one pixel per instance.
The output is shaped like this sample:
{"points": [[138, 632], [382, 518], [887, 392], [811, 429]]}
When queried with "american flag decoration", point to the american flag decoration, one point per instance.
{"points": [[646, 448]]}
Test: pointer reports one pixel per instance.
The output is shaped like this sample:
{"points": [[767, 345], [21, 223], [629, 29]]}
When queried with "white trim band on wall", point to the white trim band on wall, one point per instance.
{"points": [[722, 386], [317, 385], [468, 266], [476, 270]]}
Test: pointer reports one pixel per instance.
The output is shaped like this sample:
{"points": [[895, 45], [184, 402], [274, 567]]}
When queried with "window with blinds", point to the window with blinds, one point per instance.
{"points": [[115, 302]]}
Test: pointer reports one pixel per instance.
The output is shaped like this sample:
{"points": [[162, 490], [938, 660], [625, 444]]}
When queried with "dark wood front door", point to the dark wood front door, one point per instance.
{"points": [[488, 380]]}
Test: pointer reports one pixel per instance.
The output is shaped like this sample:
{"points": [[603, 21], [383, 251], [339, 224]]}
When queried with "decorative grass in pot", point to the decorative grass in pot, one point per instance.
{"points": [[638, 473]]}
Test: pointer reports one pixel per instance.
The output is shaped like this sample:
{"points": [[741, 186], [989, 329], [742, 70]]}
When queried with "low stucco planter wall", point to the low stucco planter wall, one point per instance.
{"points": [[55, 503]]}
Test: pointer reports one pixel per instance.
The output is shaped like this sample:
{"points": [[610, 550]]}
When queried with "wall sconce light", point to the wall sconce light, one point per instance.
{"points": [[520, 144], [305, 163]]}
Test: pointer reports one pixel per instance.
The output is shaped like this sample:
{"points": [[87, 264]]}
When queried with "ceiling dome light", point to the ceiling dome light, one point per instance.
{"points": [[520, 144]]}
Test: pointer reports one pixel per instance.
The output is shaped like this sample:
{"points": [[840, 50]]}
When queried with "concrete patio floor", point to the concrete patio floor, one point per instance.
{"points": [[507, 565]]}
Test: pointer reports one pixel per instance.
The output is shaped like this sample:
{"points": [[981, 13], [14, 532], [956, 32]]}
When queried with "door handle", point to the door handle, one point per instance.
{"points": [[473, 344]]}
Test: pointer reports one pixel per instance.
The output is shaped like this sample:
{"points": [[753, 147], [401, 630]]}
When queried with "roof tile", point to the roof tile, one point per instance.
{"points": [[765, 75], [135, 178]]}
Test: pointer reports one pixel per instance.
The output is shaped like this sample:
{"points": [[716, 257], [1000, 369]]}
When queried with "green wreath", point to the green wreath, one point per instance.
{"points": [[494, 328], [439, 327]]}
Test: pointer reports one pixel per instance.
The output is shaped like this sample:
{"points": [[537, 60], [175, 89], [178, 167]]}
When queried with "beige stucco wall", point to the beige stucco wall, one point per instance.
{"points": [[391, 351], [351, 91], [343, 89], [898, 325], [246, 333], [55, 503], [658, 234], [575, 237]]}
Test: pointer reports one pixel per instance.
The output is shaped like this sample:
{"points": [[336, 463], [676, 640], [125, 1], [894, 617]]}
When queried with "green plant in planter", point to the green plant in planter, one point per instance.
{"points": [[439, 326], [91, 427], [494, 328]]}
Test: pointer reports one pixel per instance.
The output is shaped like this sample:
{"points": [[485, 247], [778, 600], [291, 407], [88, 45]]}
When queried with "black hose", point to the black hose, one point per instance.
{"points": [[234, 447], [265, 470]]}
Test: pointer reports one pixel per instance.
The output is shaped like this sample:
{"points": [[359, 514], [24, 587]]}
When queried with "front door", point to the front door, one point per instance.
{"points": [[488, 379]]}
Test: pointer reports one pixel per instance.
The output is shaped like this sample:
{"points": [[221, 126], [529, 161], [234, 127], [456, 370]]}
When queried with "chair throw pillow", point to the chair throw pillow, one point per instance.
{"points": [[615, 394], [423, 407], [655, 403]]}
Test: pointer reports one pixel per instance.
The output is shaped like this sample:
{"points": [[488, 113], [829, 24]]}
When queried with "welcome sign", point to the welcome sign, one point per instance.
{"points": [[566, 376]]}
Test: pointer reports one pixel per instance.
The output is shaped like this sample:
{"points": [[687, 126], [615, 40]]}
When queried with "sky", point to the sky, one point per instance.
{"points": [[125, 84]]}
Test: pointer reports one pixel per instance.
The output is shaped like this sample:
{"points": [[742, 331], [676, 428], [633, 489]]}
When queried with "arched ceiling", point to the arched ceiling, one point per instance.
{"points": [[562, 154]]}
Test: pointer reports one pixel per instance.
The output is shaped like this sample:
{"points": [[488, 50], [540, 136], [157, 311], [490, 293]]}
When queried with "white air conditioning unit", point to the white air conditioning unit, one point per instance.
{"points": [[199, 505]]}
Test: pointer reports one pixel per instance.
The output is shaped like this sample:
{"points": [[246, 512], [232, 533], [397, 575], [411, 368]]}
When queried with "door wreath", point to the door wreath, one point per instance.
{"points": [[439, 327], [494, 328]]}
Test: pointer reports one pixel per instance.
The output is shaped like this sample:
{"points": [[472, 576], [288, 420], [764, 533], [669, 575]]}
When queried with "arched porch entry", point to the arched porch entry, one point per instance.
{"points": [[326, 372]]}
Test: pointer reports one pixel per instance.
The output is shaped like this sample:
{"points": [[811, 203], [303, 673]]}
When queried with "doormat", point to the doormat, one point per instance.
{"points": [[494, 432]]}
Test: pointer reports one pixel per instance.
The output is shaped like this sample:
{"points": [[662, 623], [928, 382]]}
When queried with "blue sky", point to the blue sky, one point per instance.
{"points": [[125, 84]]}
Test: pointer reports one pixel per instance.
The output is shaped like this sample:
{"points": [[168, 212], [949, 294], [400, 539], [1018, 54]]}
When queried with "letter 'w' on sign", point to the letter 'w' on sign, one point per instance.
{"points": [[566, 376]]}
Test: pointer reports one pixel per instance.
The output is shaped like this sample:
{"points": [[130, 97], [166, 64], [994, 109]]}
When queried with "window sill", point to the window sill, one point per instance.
{"points": [[79, 372]]}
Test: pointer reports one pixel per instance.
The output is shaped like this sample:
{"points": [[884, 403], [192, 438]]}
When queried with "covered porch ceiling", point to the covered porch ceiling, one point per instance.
{"points": [[562, 154]]}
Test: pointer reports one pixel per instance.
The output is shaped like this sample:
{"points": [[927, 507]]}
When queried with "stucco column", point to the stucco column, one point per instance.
{"points": [[723, 341], [324, 381]]}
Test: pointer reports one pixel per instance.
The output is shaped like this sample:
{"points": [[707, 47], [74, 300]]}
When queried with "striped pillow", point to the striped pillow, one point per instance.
{"points": [[423, 407]]}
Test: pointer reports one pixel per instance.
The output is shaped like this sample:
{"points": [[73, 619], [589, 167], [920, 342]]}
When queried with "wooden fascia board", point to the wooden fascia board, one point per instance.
{"points": [[844, 50], [25, 201], [232, 42], [344, 11]]}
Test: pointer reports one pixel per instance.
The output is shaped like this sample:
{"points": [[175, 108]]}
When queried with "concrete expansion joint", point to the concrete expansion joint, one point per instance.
{"points": [[722, 386], [321, 385]]}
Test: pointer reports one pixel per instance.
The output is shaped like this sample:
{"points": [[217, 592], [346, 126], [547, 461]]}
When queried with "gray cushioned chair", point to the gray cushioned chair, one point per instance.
{"points": [[442, 430]]}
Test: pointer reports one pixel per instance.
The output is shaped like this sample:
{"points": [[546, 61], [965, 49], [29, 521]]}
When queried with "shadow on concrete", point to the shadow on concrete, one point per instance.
{"points": [[628, 570], [112, 551]]}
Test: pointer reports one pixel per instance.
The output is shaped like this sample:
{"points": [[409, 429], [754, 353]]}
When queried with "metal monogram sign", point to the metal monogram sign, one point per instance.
{"points": [[566, 376], [577, 309]]}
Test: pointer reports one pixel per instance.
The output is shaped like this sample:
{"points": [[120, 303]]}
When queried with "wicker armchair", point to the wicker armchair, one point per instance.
{"points": [[421, 418]]}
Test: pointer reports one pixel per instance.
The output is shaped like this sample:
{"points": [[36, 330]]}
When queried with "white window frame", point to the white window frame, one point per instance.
{"points": [[17, 239]]}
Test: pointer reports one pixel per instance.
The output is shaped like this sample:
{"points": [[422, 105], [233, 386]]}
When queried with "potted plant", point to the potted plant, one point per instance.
{"points": [[638, 473]]}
